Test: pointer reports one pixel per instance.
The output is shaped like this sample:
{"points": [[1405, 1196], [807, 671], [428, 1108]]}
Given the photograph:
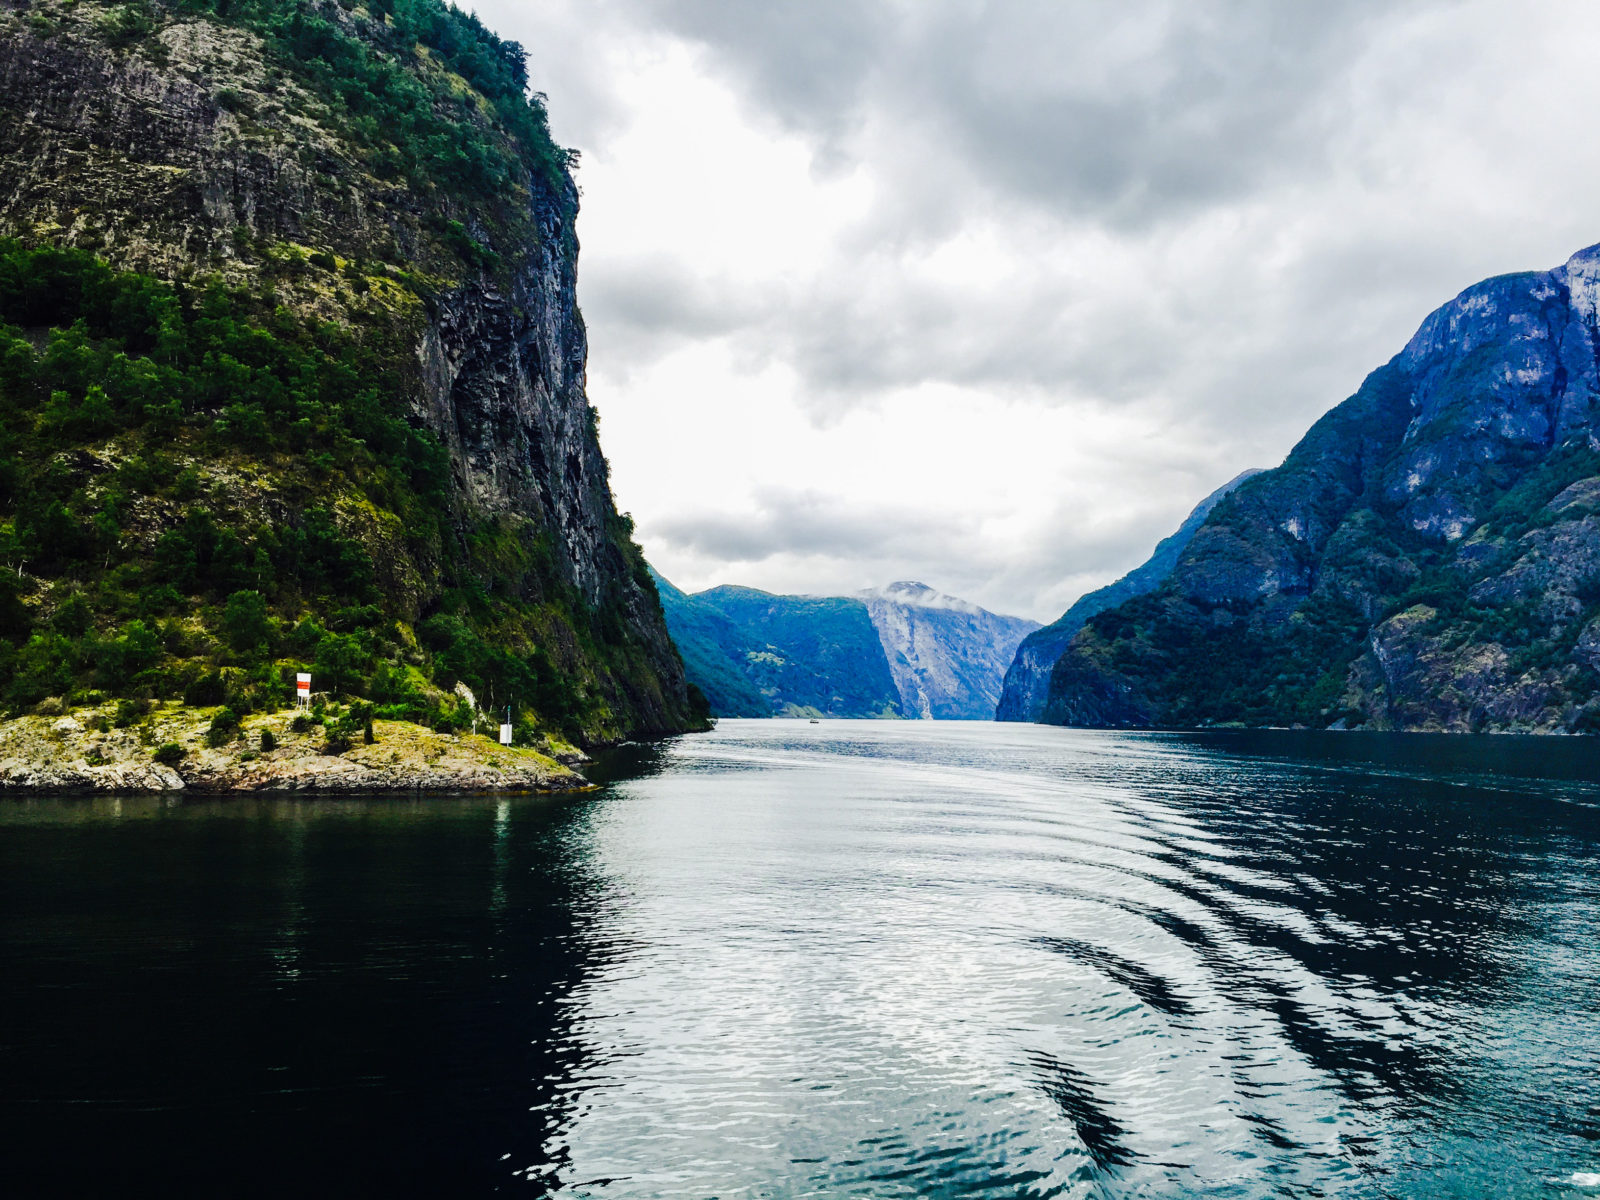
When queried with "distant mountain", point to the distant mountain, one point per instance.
{"points": [[714, 651], [1428, 556], [811, 655], [1028, 678], [947, 656], [754, 654], [901, 651]]}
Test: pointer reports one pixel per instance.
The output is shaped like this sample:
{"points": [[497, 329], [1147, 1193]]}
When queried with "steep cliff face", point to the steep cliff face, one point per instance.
{"points": [[377, 173], [1027, 680], [947, 655], [1428, 557]]}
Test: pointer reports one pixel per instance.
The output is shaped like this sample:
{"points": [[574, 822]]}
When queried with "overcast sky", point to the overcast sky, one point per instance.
{"points": [[989, 295]]}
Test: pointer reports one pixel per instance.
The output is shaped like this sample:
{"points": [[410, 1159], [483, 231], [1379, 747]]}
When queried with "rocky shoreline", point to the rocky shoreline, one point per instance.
{"points": [[83, 750]]}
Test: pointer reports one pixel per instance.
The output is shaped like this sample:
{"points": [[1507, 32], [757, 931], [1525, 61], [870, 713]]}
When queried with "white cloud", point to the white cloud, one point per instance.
{"points": [[990, 294]]}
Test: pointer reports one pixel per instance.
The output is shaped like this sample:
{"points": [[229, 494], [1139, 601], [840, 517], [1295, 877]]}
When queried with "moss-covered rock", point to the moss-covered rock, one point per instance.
{"points": [[175, 747]]}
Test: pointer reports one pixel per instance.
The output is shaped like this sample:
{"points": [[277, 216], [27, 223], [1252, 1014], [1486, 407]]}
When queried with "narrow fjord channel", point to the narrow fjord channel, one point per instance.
{"points": [[856, 958]]}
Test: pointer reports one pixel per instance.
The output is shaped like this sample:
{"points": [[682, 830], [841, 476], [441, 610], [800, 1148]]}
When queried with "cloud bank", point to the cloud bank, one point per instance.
{"points": [[990, 294]]}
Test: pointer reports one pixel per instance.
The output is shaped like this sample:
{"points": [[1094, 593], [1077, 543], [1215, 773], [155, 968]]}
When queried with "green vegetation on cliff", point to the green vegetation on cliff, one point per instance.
{"points": [[291, 374], [715, 654], [127, 408], [408, 122]]}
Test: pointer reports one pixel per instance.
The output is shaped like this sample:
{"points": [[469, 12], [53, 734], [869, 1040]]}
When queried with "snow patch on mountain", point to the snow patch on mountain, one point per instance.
{"points": [[948, 656], [919, 595]]}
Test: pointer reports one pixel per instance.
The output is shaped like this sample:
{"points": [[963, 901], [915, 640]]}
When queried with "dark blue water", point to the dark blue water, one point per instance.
{"points": [[854, 958]]}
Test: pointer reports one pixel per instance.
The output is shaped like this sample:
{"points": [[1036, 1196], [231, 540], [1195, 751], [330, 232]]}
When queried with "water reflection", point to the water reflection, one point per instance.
{"points": [[251, 997], [916, 959]]}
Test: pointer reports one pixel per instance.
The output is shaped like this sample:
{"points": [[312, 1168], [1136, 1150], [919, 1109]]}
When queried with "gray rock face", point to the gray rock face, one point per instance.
{"points": [[1554, 570], [1027, 679], [1430, 687], [948, 656], [503, 384], [143, 163], [1587, 648], [131, 152]]}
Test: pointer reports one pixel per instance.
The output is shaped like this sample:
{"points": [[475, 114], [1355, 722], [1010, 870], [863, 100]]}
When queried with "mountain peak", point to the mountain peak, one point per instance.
{"points": [[1585, 258], [1581, 273], [919, 595]]}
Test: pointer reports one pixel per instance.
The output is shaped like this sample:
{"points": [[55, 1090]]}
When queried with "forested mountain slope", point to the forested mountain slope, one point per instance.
{"points": [[1428, 557], [1027, 679], [757, 654], [716, 653], [292, 373]]}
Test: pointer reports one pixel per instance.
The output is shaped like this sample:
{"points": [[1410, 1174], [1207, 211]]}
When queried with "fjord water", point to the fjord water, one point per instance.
{"points": [[853, 958]]}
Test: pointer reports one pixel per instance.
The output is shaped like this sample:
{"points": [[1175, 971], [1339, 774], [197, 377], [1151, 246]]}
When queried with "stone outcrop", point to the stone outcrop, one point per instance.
{"points": [[947, 656]]}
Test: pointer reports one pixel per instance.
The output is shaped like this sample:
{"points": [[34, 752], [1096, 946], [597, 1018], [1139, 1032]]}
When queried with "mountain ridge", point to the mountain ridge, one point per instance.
{"points": [[1427, 557], [915, 594]]}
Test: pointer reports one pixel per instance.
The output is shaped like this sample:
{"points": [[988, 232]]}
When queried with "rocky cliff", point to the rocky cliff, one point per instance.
{"points": [[1428, 557], [1027, 680], [354, 239], [947, 655]]}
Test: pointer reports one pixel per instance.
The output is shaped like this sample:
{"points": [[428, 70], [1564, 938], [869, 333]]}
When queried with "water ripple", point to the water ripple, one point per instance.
{"points": [[900, 959], [1232, 973]]}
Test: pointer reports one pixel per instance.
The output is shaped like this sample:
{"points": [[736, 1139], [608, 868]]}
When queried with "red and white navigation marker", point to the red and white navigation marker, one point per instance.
{"points": [[302, 688]]}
